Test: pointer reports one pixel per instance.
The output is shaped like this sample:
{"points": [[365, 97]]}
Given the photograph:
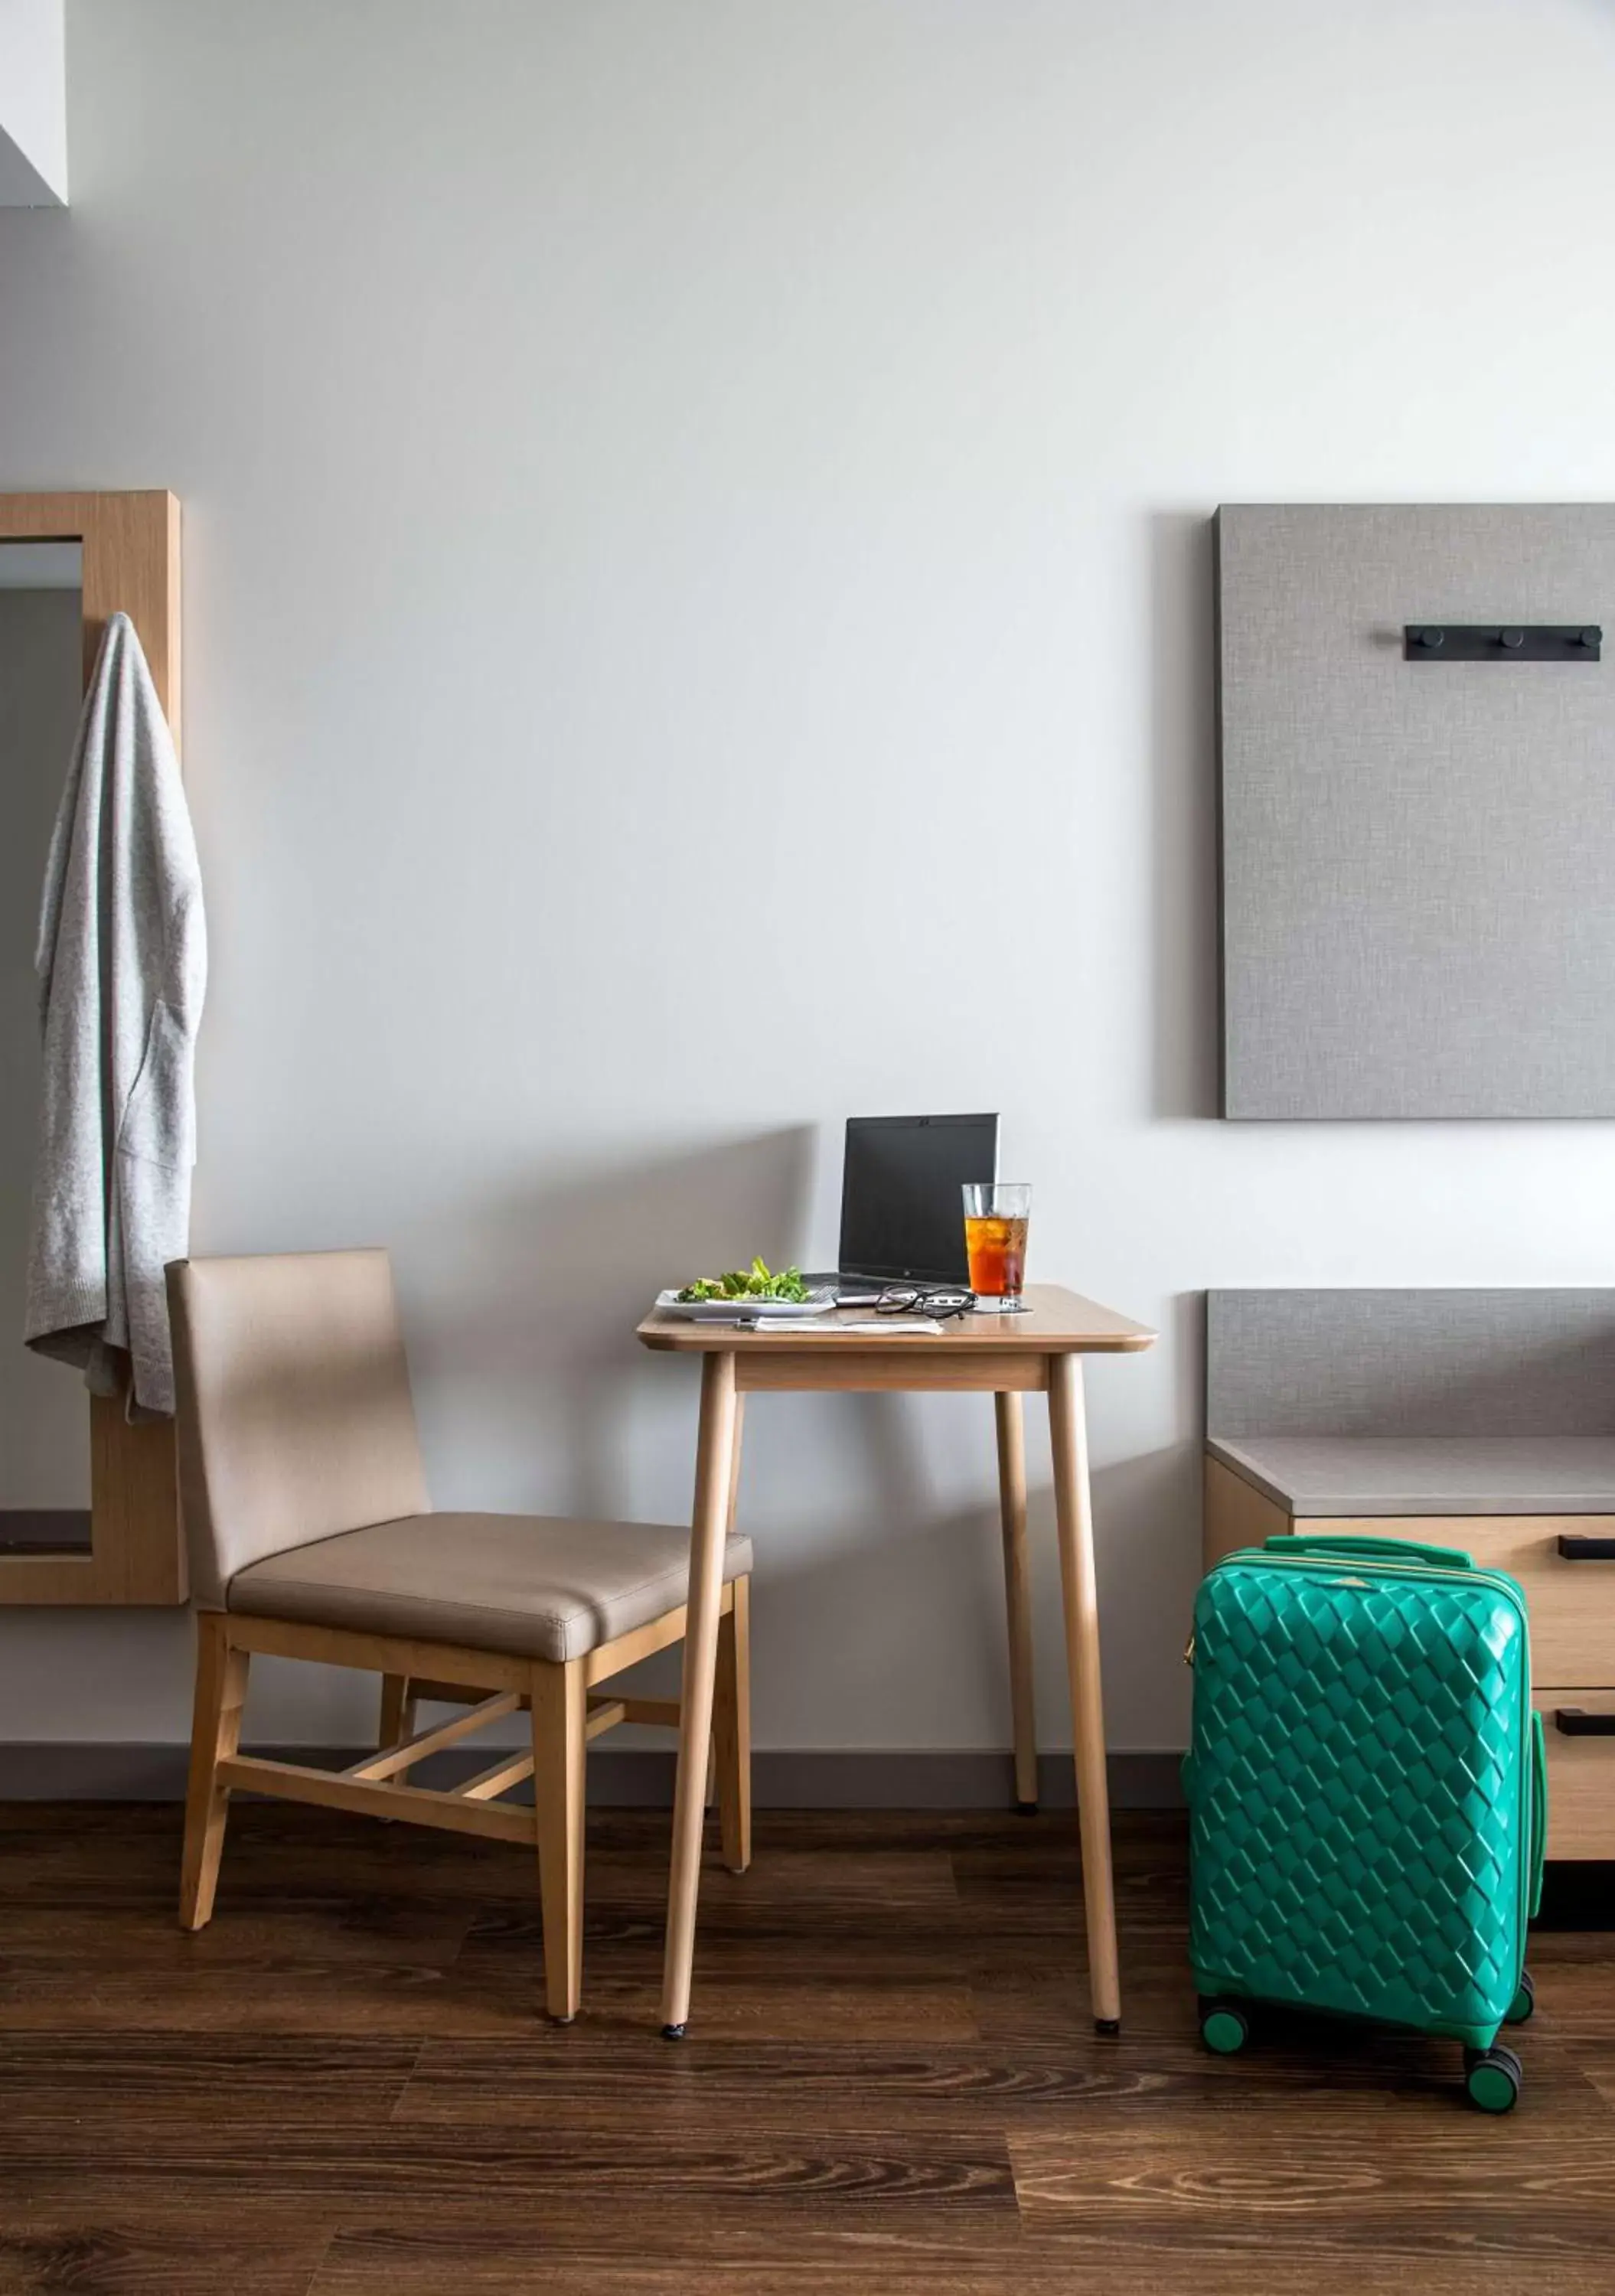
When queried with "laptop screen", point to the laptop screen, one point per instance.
{"points": [[902, 1212]]}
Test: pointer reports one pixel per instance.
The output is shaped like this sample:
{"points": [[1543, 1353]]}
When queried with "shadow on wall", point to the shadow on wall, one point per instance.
{"points": [[521, 1311], [929, 1577], [1147, 1511], [537, 1296], [1183, 745], [881, 1588]]}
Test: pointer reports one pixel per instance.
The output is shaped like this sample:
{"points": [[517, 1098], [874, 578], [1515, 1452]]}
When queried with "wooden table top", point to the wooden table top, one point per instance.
{"points": [[1059, 1323]]}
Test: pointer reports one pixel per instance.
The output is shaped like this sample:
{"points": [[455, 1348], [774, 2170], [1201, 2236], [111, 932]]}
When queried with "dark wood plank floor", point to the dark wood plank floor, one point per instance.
{"points": [[345, 2086]]}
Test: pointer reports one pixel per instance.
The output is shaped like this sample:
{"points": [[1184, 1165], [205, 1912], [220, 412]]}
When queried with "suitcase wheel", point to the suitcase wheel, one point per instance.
{"points": [[1224, 2027], [1524, 2002], [1494, 2079]]}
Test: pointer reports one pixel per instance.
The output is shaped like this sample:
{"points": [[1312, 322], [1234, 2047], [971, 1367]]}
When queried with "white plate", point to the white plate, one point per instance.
{"points": [[730, 1311]]}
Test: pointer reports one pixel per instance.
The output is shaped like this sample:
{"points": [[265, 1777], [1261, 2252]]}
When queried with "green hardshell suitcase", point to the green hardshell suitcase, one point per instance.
{"points": [[1367, 1793]]}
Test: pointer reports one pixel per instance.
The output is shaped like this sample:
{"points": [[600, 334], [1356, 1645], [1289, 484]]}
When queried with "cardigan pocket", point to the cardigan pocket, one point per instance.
{"points": [[159, 1122]]}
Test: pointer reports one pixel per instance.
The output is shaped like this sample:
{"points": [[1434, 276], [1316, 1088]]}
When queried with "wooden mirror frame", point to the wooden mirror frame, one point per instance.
{"points": [[130, 546]]}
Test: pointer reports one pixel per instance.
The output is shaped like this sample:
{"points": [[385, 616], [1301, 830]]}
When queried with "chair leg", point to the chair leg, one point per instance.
{"points": [[397, 1720], [731, 1728], [216, 1733], [560, 1711]]}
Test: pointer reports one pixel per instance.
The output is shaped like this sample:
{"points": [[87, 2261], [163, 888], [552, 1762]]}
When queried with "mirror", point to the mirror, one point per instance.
{"points": [[44, 1424], [101, 554]]}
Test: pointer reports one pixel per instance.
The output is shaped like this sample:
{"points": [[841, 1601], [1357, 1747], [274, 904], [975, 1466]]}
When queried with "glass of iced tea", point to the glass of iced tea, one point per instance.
{"points": [[996, 1215]]}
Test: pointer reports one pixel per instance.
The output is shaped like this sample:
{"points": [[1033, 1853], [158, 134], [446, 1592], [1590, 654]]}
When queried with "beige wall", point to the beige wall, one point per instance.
{"points": [[637, 449]]}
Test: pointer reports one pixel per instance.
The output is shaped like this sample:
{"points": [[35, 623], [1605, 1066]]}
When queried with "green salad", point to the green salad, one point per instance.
{"points": [[754, 1283]]}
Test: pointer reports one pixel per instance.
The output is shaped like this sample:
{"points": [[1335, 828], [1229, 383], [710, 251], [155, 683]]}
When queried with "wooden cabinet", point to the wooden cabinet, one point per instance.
{"points": [[1571, 1600], [1581, 1770]]}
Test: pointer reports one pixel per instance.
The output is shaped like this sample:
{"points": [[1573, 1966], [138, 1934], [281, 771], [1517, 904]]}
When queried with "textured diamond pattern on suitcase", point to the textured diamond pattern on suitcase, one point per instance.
{"points": [[1360, 1793]]}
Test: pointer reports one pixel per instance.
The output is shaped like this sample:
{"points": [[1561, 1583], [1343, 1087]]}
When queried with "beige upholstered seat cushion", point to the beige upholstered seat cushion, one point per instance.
{"points": [[536, 1586]]}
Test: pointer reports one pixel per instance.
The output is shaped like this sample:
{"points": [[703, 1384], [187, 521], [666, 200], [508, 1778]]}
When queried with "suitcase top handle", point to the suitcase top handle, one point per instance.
{"points": [[1387, 1550]]}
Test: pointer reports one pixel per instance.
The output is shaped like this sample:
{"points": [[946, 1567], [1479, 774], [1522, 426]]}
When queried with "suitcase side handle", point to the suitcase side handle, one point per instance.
{"points": [[1539, 1792], [1389, 1550]]}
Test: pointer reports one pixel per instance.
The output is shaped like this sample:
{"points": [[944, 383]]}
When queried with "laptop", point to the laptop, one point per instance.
{"points": [[902, 1209]]}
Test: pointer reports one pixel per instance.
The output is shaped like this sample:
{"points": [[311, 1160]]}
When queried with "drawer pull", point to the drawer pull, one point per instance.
{"points": [[1576, 1722], [1574, 1546]]}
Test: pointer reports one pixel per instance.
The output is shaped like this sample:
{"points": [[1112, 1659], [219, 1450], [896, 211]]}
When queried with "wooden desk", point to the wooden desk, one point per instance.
{"points": [[1006, 1357]]}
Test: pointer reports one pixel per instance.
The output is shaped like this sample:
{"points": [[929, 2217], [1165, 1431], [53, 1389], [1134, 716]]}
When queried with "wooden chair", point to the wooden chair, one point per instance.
{"points": [[311, 1535]]}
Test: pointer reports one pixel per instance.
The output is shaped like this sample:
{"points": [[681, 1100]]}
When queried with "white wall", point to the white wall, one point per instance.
{"points": [[636, 448], [33, 104]]}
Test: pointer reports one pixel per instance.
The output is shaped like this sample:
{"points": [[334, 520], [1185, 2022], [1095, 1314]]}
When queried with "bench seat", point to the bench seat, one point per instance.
{"points": [[1427, 1474]]}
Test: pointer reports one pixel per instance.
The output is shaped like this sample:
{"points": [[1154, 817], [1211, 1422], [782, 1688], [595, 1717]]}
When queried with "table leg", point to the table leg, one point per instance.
{"points": [[725, 1627], [731, 1710], [735, 1466], [1018, 1594], [1074, 1516], [714, 1477]]}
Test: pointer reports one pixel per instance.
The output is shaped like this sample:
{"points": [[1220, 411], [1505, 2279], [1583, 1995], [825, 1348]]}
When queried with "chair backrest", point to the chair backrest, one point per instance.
{"points": [[294, 1414]]}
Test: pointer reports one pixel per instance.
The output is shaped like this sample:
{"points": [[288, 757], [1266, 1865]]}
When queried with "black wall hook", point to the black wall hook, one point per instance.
{"points": [[1501, 642]]}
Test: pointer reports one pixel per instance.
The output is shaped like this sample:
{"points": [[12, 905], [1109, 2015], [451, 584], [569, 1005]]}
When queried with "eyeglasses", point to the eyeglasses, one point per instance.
{"points": [[916, 1299]]}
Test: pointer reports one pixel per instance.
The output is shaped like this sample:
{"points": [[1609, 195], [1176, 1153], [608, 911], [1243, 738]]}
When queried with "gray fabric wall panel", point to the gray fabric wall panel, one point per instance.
{"points": [[1418, 861], [1410, 1362]]}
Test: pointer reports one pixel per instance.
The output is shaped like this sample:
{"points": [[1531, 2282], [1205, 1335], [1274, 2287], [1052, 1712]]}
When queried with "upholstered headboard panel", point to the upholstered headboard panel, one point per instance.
{"points": [[1410, 1362]]}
